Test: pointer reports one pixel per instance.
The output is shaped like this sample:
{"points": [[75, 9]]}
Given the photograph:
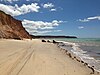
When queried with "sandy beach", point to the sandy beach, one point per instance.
{"points": [[33, 57]]}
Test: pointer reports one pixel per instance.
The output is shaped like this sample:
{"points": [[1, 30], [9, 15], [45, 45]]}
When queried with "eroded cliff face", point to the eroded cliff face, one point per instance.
{"points": [[11, 28]]}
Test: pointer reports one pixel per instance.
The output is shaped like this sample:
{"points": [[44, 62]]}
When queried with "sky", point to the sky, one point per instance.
{"points": [[79, 18]]}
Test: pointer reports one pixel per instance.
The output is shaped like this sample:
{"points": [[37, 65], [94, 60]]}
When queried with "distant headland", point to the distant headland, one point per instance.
{"points": [[51, 36]]}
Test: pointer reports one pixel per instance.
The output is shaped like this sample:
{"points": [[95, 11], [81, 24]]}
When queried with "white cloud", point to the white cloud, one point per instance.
{"points": [[43, 32], [57, 30], [89, 19], [27, 0], [48, 5], [41, 24], [37, 32], [35, 26], [16, 10], [53, 9], [84, 20], [10, 1], [48, 31], [93, 18], [80, 27]]}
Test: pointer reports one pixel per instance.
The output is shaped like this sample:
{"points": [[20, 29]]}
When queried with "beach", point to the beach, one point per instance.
{"points": [[33, 57]]}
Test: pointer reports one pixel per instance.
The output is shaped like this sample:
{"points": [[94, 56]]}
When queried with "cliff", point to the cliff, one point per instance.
{"points": [[11, 28]]}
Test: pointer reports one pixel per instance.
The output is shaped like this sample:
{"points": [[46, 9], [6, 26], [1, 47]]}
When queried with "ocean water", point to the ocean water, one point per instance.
{"points": [[91, 45], [88, 49]]}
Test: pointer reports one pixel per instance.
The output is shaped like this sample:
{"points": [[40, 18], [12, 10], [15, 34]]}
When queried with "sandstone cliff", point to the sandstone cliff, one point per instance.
{"points": [[11, 28]]}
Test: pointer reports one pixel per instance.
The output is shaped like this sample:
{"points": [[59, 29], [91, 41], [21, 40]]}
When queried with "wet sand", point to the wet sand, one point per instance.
{"points": [[33, 57]]}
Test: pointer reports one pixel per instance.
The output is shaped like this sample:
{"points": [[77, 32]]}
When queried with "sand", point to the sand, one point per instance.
{"points": [[33, 57]]}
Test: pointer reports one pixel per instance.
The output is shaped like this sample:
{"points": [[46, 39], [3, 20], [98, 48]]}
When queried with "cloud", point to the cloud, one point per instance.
{"points": [[48, 5], [48, 31], [89, 19], [36, 26], [27, 0], [16, 10], [84, 20], [45, 32], [53, 9], [41, 24], [10, 1], [93, 18], [80, 27]]}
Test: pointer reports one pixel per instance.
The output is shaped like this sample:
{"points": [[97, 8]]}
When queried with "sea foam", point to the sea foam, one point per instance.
{"points": [[75, 49]]}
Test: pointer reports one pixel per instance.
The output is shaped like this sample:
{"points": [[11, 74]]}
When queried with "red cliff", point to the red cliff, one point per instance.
{"points": [[11, 28]]}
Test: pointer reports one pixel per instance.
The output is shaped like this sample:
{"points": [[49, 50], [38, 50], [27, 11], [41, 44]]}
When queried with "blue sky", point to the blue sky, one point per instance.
{"points": [[79, 18]]}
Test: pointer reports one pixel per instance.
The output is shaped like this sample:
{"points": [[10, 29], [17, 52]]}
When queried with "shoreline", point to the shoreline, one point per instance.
{"points": [[34, 57], [72, 55]]}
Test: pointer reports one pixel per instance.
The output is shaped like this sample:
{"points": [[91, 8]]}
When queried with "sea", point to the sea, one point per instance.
{"points": [[87, 49]]}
